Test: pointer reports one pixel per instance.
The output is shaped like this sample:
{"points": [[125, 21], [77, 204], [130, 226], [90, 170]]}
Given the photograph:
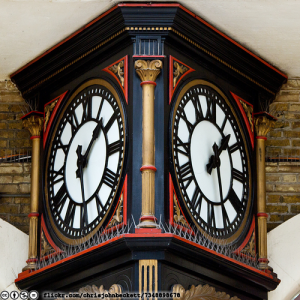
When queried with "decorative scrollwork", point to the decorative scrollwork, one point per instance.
{"points": [[178, 217], [180, 70], [118, 70], [45, 247], [200, 292], [48, 110], [250, 247], [117, 218], [248, 110]]}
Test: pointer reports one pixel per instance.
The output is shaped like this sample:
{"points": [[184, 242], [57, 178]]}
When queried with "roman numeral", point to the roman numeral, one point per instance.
{"points": [[110, 122], [211, 109], [109, 178], [198, 109], [100, 108], [237, 175], [211, 221], [54, 174], [226, 220], [234, 147], [62, 192], [84, 217], [114, 147], [187, 122], [70, 214], [224, 123], [186, 146], [87, 109], [59, 204], [62, 147], [72, 119], [186, 174], [235, 201], [99, 205], [197, 200]]}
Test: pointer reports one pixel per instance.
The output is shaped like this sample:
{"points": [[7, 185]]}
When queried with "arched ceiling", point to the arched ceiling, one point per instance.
{"points": [[269, 28]]}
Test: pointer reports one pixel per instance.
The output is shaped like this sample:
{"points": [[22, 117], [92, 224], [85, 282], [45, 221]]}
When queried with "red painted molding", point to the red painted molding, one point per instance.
{"points": [[148, 167], [60, 99], [261, 138], [250, 132], [34, 112], [265, 215], [33, 215], [152, 231], [35, 137], [145, 218], [125, 88], [171, 72], [148, 82], [263, 260]]}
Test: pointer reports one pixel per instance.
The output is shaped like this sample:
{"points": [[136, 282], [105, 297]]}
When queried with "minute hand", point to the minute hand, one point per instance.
{"points": [[96, 133]]}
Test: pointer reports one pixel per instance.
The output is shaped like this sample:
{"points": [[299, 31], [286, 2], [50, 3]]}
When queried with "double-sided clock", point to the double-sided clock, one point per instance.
{"points": [[210, 161], [84, 161]]}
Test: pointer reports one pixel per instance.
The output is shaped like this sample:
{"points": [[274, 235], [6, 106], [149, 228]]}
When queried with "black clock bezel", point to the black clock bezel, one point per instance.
{"points": [[113, 89], [245, 222]]}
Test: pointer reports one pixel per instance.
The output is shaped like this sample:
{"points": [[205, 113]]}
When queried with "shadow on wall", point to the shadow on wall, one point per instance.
{"points": [[283, 254]]}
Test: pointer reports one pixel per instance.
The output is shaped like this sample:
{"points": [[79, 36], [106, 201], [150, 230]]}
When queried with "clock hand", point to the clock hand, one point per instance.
{"points": [[79, 174], [217, 152], [95, 135]]}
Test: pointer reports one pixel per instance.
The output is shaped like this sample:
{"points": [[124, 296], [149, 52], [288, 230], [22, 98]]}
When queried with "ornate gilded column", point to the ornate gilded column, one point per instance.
{"points": [[148, 72], [34, 123], [263, 124]]}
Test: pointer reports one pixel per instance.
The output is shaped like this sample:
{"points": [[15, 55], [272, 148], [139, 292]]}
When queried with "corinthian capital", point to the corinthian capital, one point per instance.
{"points": [[263, 123], [34, 123], [148, 70]]}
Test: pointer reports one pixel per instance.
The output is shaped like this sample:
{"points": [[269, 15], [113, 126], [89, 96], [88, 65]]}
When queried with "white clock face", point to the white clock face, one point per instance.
{"points": [[85, 160], [210, 161]]}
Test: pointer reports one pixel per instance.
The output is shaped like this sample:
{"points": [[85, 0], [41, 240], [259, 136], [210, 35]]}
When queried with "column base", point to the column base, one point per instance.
{"points": [[263, 264], [31, 265], [148, 222]]}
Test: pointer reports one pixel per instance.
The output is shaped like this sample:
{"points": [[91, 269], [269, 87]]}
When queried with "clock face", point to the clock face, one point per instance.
{"points": [[84, 161], [210, 161]]}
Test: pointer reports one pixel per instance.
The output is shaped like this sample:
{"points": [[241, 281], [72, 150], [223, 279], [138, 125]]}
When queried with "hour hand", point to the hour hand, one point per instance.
{"points": [[224, 143]]}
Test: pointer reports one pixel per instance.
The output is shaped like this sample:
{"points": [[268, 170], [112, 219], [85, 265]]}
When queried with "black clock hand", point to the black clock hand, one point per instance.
{"points": [[212, 161], [95, 135], [79, 174], [218, 163]]}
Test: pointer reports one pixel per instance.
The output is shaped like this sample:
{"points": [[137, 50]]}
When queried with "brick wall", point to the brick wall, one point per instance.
{"points": [[14, 177], [283, 179]]}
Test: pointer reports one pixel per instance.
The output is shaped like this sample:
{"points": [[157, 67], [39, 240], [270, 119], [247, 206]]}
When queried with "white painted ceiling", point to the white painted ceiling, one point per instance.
{"points": [[269, 28]]}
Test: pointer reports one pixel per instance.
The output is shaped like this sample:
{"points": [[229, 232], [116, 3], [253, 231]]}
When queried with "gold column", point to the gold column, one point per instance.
{"points": [[34, 124], [148, 72], [263, 124]]}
